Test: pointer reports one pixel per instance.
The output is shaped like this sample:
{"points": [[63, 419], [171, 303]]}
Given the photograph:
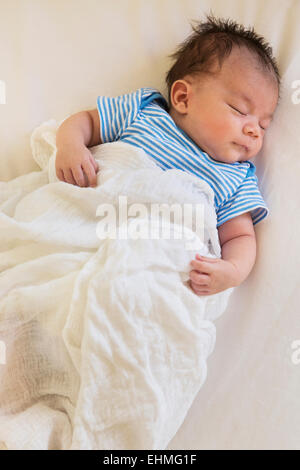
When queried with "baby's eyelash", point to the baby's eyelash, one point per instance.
{"points": [[243, 114]]}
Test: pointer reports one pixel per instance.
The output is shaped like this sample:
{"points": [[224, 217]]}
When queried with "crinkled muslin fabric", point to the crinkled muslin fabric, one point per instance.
{"points": [[250, 400], [106, 343]]}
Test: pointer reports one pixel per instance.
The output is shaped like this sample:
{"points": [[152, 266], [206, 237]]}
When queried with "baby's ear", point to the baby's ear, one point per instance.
{"points": [[179, 96]]}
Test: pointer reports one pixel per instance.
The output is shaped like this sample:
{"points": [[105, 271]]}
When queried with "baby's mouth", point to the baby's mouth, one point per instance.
{"points": [[242, 146]]}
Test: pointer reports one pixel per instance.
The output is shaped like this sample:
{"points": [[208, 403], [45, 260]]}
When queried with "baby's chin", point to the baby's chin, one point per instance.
{"points": [[227, 158], [232, 155]]}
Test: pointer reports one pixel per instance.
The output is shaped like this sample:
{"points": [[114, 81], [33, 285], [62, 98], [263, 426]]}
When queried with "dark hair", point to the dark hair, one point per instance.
{"points": [[213, 40]]}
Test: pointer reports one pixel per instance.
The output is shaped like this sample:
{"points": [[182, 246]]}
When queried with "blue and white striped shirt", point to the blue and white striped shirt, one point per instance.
{"points": [[141, 118]]}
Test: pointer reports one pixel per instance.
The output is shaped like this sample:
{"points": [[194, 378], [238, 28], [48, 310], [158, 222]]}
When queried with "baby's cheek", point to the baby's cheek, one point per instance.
{"points": [[221, 128]]}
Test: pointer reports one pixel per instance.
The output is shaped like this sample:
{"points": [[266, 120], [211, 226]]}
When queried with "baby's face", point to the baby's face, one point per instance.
{"points": [[227, 114]]}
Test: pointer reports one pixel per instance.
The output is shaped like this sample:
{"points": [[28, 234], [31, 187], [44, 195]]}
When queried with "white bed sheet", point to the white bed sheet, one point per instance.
{"points": [[56, 58]]}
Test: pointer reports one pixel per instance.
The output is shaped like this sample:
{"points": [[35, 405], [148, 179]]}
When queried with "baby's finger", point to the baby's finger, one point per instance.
{"points": [[200, 290], [90, 172], [206, 259], [69, 176], [200, 279], [202, 266], [78, 176], [94, 163], [203, 292], [60, 174]]}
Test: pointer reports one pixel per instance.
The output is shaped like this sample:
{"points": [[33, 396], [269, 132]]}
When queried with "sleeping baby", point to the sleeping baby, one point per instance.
{"points": [[223, 89]]}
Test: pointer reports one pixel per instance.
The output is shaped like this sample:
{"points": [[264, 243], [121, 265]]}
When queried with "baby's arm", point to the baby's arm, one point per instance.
{"points": [[73, 159], [238, 243]]}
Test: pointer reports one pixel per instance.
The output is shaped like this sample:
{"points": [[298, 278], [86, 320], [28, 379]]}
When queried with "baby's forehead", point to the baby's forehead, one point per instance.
{"points": [[243, 72], [244, 66]]}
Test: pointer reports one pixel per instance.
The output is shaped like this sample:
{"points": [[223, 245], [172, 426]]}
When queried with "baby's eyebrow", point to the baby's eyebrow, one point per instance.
{"points": [[249, 100]]}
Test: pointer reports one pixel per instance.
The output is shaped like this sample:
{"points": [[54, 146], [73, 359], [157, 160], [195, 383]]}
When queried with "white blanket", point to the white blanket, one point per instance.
{"points": [[105, 342]]}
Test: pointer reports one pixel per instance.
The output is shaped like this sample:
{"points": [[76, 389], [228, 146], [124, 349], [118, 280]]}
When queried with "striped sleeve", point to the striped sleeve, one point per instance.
{"points": [[116, 114], [246, 198]]}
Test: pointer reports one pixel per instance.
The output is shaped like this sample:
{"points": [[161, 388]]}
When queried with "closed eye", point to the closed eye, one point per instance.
{"points": [[243, 114]]}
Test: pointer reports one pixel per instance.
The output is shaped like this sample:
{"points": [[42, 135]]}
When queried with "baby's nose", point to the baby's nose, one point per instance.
{"points": [[252, 130]]}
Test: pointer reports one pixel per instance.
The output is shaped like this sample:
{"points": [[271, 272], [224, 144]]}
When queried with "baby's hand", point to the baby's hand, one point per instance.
{"points": [[212, 275], [76, 165]]}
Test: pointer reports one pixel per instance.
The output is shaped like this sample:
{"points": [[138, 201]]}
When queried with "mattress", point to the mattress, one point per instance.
{"points": [[56, 58]]}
